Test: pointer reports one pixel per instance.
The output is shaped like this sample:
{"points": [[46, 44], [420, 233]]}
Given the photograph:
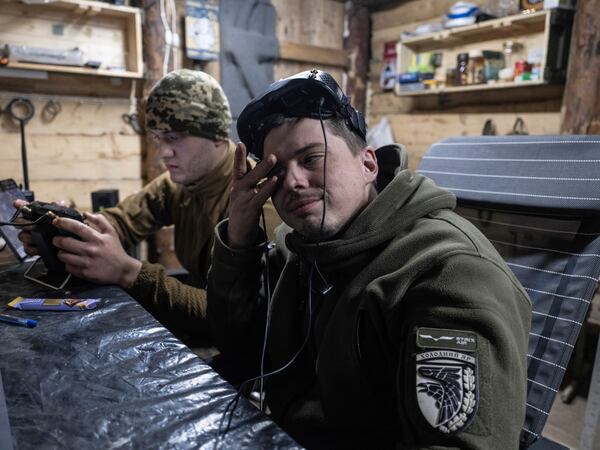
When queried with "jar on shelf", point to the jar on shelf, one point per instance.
{"points": [[493, 62], [462, 69], [451, 76], [475, 67]]}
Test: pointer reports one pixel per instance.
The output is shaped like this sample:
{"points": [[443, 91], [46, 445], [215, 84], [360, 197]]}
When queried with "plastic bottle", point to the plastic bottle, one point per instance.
{"points": [[475, 67], [462, 69]]}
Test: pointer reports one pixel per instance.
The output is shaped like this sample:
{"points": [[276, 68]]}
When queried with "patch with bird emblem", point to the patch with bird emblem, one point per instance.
{"points": [[447, 388]]}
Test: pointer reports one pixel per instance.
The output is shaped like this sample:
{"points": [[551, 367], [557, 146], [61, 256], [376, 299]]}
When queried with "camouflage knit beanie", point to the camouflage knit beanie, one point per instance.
{"points": [[189, 101]]}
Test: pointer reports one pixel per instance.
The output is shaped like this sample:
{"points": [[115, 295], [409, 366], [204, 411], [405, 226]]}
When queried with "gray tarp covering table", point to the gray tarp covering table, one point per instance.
{"points": [[114, 378]]}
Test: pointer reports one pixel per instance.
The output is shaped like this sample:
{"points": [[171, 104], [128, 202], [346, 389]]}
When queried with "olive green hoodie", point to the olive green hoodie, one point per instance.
{"points": [[409, 288]]}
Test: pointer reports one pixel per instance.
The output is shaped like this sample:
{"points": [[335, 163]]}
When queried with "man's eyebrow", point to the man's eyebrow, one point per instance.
{"points": [[169, 134], [309, 146]]}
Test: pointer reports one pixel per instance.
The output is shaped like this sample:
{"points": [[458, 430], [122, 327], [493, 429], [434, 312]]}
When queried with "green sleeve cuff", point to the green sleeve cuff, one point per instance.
{"points": [[236, 257], [146, 280]]}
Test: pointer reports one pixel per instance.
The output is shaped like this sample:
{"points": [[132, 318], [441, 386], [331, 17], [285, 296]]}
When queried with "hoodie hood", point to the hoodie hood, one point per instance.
{"points": [[403, 198]]}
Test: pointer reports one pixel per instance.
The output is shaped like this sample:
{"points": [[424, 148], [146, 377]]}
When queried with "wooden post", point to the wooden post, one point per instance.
{"points": [[357, 46], [160, 247], [581, 99]]}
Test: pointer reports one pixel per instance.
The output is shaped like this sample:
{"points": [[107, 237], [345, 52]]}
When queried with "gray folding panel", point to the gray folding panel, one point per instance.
{"points": [[537, 198]]}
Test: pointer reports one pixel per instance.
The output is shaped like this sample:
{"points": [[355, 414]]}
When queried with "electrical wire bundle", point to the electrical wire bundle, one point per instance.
{"points": [[171, 37]]}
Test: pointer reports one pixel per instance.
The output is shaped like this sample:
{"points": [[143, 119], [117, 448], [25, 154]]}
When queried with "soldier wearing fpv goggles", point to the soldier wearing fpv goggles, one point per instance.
{"points": [[378, 318]]}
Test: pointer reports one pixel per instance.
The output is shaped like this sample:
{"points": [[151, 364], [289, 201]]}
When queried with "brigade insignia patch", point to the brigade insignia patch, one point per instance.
{"points": [[447, 389]]}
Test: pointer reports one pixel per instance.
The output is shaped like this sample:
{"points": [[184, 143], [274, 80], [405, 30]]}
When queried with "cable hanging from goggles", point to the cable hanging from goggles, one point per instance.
{"points": [[235, 401]]}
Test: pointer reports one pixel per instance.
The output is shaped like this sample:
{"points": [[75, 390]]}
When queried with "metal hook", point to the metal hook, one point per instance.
{"points": [[23, 105], [51, 109], [133, 121]]}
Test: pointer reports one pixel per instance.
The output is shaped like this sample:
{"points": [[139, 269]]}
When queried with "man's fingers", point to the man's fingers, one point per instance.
{"points": [[25, 237], [100, 222], [264, 190], [72, 259], [70, 244], [239, 162], [19, 203], [74, 226], [260, 172]]}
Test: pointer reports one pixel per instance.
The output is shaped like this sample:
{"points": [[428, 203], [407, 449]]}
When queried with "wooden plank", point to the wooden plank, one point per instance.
{"points": [[21, 26], [412, 11], [285, 69], [134, 45], [418, 131], [380, 37], [581, 102], [318, 23], [498, 29], [74, 70], [357, 45], [83, 116], [78, 192], [312, 54], [65, 84], [113, 10], [109, 38], [315, 22], [160, 249], [472, 88], [387, 103], [55, 157]]}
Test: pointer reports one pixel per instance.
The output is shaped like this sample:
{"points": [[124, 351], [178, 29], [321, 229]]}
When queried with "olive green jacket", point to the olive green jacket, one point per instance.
{"points": [[194, 210], [371, 315]]}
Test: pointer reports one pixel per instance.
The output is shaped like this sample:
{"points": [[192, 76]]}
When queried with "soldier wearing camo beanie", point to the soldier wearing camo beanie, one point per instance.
{"points": [[189, 101], [188, 116]]}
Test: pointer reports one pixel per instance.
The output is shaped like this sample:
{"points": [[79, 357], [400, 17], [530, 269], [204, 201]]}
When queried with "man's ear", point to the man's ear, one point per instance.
{"points": [[369, 163]]}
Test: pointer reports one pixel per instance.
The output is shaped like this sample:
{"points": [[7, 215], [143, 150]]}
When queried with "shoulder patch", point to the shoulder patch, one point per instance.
{"points": [[447, 388], [441, 338]]}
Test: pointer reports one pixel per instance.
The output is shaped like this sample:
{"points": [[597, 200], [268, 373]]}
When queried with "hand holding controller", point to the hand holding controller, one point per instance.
{"points": [[41, 215]]}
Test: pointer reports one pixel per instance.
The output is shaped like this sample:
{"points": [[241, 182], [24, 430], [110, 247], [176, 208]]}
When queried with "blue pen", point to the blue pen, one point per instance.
{"points": [[29, 323]]}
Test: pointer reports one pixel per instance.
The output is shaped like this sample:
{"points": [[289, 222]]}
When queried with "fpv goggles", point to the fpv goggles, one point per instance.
{"points": [[301, 95]]}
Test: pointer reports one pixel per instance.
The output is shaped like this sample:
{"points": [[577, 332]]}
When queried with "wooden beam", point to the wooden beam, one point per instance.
{"points": [[313, 54], [357, 47], [160, 247], [410, 11], [581, 100]]}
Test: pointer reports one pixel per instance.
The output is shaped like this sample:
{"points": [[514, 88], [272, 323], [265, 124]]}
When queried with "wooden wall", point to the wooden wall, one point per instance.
{"points": [[316, 22], [420, 124], [88, 146], [85, 148]]}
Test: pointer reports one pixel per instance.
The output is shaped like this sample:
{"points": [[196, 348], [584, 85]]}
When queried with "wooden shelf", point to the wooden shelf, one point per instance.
{"points": [[74, 70], [106, 33], [471, 88], [547, 32], [502, 28]]}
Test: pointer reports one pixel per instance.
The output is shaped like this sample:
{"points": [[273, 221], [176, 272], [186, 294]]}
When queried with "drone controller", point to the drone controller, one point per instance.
{"points": [[42, 214]]}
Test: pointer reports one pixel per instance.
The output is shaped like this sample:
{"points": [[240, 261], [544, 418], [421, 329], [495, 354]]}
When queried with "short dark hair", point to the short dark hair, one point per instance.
{"points": [[337, 125]]}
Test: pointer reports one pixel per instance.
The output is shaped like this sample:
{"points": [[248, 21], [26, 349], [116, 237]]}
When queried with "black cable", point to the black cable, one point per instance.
{"points": [[234, 402], [27, 224], [268, 318], [15, 215], [324, 168]]}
